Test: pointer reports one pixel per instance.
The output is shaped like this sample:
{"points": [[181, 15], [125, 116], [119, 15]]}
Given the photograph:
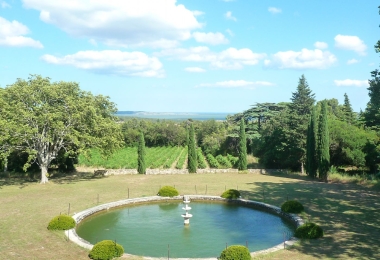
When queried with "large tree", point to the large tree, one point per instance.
{"points": [[372, 111], [242, 163], [349, 114], [323, 144], [192, 163], [300, 107], [47, 117]]}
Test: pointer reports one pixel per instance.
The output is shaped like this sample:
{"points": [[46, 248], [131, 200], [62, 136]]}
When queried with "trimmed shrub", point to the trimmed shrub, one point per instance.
{"points": [[292, 206], [223, 161], [231, 194], [212, 161], [309, 230], [167, 191], [235, 252], [61, 222], [106, 249]]}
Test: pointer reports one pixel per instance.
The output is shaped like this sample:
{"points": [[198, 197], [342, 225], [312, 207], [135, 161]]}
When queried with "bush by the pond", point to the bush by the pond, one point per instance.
{"points": [[231, 194], [106, 249], [235, 252], [167, 191], [309, 230], [61, 222], [292, 206]]}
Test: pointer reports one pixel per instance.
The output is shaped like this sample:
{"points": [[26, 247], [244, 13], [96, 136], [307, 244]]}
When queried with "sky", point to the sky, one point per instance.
{"points": [[193, 55]]}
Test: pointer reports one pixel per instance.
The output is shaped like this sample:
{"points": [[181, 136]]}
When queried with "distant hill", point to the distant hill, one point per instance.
{"points": [[174, 115]]}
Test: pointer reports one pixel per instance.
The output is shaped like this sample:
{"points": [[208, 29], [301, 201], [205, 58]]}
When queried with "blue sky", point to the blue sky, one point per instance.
{"points": [[193, 55]]}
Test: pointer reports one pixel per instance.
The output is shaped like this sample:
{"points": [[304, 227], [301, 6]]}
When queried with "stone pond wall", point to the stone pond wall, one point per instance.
{"points": [[78, 217]]}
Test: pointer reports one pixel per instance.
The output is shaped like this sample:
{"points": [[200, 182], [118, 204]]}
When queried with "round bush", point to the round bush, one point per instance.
{"points": [[235, 252], [292, 206], [61, 222], [106, 249], [231, 194], [309, 230], [167, 191]]}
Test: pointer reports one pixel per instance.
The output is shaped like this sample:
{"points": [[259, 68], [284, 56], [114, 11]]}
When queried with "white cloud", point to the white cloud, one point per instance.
{"points": [[210, 38], [194, 69], [230, 58], [229, 16], [111, 62], [274, 10], [11, 34], [321, 45], [351, 82], [352, 43], [158, 23], [352, 61], [304, 59], [237, 84], [198, 13], [4, 4]]}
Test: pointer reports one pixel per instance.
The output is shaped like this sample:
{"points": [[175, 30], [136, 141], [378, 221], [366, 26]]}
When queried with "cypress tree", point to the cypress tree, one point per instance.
{"points": [[242, 163], [323, 144], [141, 167], [311, 146], [192, 163]]}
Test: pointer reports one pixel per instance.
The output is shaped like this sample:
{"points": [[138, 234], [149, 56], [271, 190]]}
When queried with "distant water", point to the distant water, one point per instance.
{"points": [[174, 115]]}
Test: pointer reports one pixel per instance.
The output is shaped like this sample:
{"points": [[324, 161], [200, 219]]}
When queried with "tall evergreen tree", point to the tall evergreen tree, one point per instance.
{"points": [[141, 167], [192, 163], [311, 146], [349, 114], [242, 163], [372, 112], [323, 144], [300, 107]]}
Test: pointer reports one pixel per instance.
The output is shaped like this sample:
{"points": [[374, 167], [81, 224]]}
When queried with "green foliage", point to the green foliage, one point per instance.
{"points": [[61, 222], [168, 191], [311, 146], [141, 167], [192, 154], [242, 163], [212, 161], [45, 117], [323, 144], [106, 249], [292, 206], [235, 252], [201, 159], [223, 161], [309, 230], [182, 158], [231, 194], [233, 160]]}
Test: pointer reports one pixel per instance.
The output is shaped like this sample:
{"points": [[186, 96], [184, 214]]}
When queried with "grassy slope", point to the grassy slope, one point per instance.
{"points": [[348, 213]]}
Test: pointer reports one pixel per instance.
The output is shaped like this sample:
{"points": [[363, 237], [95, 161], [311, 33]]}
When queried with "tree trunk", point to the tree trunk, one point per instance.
{"points": [[44, 178], [302, 170]]}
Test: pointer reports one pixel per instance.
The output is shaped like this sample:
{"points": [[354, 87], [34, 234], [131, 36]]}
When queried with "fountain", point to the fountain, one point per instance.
{"points": [[186, 216]]}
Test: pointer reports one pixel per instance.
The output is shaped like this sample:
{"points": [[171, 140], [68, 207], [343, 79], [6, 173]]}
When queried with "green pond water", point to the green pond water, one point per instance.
{"points": [[157, 229]]}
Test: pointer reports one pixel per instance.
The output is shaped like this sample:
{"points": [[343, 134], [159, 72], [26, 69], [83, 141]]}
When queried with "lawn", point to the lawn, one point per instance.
{"points": [[348, 213]]}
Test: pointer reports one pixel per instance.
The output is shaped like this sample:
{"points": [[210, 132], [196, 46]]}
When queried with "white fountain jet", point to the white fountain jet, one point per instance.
{"points": [[186, 216]]}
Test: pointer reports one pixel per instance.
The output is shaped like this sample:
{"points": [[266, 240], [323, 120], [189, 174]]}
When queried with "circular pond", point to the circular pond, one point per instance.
{"points": [[157, 229]]}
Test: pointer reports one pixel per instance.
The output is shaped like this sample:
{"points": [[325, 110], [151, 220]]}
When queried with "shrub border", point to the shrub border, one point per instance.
{"points": [[78, 217]]}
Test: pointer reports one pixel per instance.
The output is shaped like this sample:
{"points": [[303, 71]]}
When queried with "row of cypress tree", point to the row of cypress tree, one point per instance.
{"points": [[192, 153]]}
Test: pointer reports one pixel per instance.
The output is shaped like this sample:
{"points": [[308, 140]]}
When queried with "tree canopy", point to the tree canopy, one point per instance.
{"points": [[43, 118]]}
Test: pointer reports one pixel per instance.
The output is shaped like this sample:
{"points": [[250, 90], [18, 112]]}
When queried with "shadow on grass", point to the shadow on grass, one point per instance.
{"points": [[347, 213], [23, 180]]}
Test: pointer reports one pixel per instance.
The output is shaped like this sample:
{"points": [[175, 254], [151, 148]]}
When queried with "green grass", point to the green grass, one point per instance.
{"points": [[348, 213]]}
